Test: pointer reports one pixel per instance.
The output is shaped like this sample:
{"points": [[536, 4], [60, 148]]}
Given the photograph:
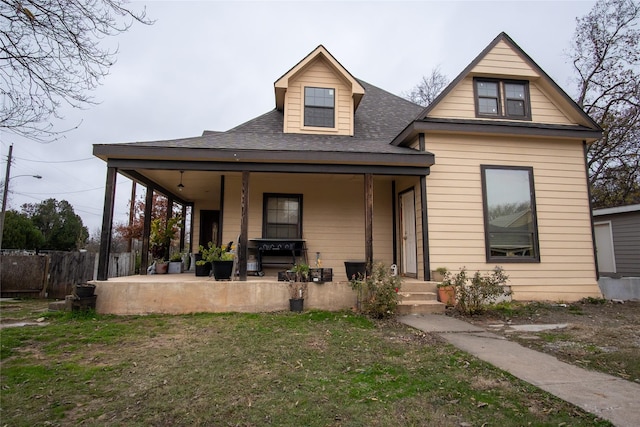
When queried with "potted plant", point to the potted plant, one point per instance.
{"points": [[356, 270], [298, 277], [220, 258], [84, 290], [162, 232], [175, 263], [446, 288], [438, 274], [203, 263]]}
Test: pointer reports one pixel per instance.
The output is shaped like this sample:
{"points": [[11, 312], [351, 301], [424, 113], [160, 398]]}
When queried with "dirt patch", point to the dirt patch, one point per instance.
{"points": [[599, 335]]}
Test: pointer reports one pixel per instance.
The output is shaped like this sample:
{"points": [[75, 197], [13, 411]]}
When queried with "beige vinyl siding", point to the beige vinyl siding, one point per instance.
{"points": [[332, 214], [502, 60], [458, 104], [501, 63], [456, 227], [318, 74], [543, 109]]}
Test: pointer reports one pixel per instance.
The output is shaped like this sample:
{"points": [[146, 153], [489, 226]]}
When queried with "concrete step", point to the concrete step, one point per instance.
{"points": [[420, 307], [57, 306], [418, 296], [415, 286]]}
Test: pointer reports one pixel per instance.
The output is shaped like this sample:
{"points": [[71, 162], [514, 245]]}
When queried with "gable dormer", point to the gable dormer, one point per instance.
{"points": [[318, 96], [503, 83]]}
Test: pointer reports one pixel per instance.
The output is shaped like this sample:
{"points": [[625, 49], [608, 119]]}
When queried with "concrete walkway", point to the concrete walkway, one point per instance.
{"points": [[608, 397]]}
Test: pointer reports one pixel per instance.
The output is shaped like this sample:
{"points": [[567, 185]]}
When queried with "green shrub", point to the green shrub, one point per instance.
{"points": [[378, 292], [474, 294]]}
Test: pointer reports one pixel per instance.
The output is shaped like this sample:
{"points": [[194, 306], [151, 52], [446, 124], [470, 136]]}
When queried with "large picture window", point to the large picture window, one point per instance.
{"points": [[319, 106], [511, 231], [282, 216]]}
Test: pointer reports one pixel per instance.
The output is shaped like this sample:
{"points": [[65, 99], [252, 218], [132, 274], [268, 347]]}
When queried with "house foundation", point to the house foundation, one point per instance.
{"points": [[186, 293]]}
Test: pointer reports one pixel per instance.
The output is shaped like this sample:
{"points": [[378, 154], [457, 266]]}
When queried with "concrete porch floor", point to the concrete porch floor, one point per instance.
{"points": [[185, 293]]}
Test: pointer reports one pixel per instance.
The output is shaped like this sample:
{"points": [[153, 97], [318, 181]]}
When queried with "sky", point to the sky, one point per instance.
{"points": [[211, 65]]}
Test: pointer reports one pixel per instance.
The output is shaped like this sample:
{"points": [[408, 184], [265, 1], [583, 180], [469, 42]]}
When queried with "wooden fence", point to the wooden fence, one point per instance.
{"points": [[53, 274]]}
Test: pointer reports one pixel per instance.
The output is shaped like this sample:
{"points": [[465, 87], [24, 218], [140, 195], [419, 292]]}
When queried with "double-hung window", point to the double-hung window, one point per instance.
{"points": [[319, 107], [511, 232], [502, 98], [282, 216]]}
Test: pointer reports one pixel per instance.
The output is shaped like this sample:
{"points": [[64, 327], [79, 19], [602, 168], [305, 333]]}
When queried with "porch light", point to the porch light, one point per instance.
{"points": [[180, 186]]}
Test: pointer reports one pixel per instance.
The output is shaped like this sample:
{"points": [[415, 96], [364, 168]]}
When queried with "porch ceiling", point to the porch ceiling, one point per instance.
{"points": [[197, 184]]}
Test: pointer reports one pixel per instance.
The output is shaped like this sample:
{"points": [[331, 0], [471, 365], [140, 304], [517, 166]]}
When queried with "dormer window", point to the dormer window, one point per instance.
{"points": [[319, 107], [502, 99]]}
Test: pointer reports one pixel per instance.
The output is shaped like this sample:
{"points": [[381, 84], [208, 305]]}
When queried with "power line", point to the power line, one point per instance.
{"points": [[60, 161]]}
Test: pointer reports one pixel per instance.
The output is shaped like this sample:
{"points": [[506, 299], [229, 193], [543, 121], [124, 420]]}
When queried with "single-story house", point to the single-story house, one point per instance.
{"points": [[491, 173], [617, 235]]}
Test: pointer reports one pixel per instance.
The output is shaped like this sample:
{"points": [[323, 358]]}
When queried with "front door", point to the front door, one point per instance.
{"points": [[408, 234], [209, 224]]}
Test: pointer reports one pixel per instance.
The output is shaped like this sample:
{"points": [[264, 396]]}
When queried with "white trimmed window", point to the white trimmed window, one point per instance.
{"points": [[319, 107]]}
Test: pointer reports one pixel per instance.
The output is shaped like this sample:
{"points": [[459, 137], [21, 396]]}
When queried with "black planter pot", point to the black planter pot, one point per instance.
{"points": [[296, 304], [355, 269], [222, 269], [84, 290], [203, 270]]}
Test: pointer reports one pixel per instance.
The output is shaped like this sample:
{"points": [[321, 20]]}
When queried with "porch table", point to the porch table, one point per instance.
{"points": [[278, 248]]}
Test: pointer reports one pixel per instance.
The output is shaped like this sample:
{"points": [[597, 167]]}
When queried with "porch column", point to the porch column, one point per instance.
{"points": [[244, 227], [425, 229], [183, 223], [168, 215], [368, 219], [146, 230], [132, 211], [107, 222], [425, 217]]}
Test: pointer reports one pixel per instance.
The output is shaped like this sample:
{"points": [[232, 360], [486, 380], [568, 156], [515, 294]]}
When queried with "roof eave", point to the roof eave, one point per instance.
{"points": [[409, 134], [108, 152], [505, 37]]}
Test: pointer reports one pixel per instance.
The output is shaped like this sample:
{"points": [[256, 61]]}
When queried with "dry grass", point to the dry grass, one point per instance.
{"points": [[315, 369]]}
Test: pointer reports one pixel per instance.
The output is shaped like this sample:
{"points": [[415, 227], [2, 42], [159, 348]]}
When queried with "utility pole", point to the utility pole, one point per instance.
{"points": [[4, 206], [4, 194]]}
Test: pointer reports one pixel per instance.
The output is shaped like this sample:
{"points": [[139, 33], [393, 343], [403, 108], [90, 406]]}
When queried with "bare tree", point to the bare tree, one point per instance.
{"points": [[428, 89], [51, 53], [606, 58]]}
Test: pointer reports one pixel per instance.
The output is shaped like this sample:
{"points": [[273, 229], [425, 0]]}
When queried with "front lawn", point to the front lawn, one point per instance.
{"points": [[311, 369]]}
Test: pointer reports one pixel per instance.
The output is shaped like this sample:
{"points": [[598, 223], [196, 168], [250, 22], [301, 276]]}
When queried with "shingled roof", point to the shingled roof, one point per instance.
{"points": [[380, 117]]}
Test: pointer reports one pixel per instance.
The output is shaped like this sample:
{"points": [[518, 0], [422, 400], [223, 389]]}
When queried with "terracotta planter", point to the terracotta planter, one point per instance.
{"points": [[162, 267], [447, 295]]}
